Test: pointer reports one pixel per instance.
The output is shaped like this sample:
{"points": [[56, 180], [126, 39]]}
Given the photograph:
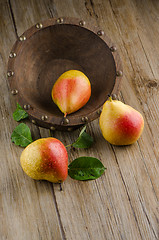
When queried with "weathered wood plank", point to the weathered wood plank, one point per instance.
{"points": [[137, 65], [123, 154], [28, 209], [123, 203], [148, 185]]}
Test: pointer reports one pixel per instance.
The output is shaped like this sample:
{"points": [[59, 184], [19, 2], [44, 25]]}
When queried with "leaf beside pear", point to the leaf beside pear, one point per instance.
{"points": [[84, 140], [21, 135], [85, 168], [19, 113]]}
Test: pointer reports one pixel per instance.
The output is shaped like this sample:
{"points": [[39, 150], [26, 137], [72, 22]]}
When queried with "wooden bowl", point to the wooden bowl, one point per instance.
{"points": [[52, 47]]}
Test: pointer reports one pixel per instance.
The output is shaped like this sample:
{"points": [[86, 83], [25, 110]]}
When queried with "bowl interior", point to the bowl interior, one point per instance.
{"points": [[58, 48]]}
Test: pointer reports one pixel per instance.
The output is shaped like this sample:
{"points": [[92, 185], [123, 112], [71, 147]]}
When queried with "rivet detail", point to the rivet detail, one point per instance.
{"points": [[82, 23], [66, 121], [119, 73], [114, 96], [84, 119], [12, 55], [52, 128], [113, 49], [100, 33], [10, 73], [26, 106], [99, 111], [69, 129], [14, 91], [60, 20], [33, 121], [39, 25], [22, 38], [44, 117]]}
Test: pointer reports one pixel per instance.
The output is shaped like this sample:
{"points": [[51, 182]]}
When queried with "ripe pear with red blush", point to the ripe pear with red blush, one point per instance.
{"points": [[45, 159], [120, 124], [71, 91]]}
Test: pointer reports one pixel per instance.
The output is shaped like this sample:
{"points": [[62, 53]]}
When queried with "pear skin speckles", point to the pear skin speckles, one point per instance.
{"points": [[45, 159]]}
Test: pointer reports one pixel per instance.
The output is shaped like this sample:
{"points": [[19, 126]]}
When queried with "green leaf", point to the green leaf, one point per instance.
{"points": [[85, 168], [19, 113], [84, 140], [82, 131], [21, 135]]}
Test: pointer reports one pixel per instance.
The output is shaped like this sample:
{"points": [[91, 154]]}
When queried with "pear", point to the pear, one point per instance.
{"points": [[45, 159], [120, 124], [71, 91]]}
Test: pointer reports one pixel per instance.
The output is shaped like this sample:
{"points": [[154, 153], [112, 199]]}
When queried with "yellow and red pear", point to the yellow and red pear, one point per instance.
{"points": [[120, 124], [71, 91], [45, 159]]}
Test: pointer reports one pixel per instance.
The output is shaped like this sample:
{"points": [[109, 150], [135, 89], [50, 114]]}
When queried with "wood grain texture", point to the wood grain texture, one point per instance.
{"points": [[123, 203]]}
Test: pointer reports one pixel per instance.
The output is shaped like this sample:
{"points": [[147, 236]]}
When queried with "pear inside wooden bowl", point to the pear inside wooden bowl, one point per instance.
{"points": [[52, 47]]}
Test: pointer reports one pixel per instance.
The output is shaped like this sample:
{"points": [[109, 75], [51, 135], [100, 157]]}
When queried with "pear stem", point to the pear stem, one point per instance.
{"points": [[110, 98], [68, 145], [60, 186], [50, 135]]}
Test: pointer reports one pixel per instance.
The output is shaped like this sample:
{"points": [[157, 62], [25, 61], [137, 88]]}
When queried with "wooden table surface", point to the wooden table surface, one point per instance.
{"points": [[123, 203]]}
